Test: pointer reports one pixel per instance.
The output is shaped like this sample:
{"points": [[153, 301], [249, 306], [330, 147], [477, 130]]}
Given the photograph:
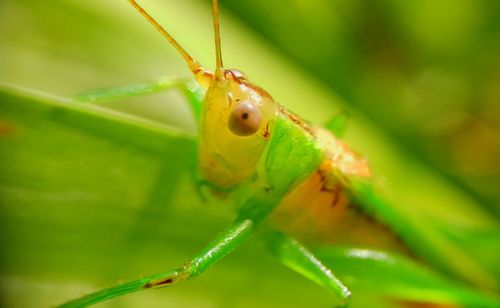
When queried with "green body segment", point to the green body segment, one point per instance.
{"points": [[293, 154]]}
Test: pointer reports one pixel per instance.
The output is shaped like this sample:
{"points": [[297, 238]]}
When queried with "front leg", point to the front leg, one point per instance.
{"points": [[225, 243], [193, 93], [254, 210], [297, 257]]}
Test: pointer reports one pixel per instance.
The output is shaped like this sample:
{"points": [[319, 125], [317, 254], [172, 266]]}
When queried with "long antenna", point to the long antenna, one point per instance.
{"points": [[193, 65], [218, 56]]}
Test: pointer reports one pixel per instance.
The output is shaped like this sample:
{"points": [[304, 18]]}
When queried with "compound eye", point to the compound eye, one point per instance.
{"points": [[245, 118]]}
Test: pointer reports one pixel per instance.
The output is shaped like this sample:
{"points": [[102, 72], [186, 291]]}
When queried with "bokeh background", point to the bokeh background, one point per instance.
{"points": [[426, 71], [91, 195]]}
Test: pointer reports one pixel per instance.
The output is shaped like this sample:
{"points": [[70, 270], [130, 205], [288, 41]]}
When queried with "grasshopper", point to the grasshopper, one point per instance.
{"points": [[292, 183]]}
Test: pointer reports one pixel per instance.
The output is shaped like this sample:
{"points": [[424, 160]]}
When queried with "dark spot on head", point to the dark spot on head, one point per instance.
{"points": [[244, 116]]}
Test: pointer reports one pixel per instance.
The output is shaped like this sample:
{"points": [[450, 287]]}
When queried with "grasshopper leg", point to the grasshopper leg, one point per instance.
{"points": [[224, 244], [192, 91], [297, 257]]}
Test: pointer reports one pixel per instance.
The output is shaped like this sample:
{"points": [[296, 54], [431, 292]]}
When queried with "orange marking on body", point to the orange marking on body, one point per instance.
{"points": [[308, 210], [350, 162], [318, 210], [341, 159]]}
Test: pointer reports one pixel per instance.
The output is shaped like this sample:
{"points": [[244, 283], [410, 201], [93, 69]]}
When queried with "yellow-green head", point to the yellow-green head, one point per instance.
{"points": [[236, 123], [236, 119]]}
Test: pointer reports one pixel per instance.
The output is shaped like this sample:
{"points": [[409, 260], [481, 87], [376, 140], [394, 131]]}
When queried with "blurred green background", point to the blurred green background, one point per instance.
{"points": [[93, 194], [427, 72]]}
